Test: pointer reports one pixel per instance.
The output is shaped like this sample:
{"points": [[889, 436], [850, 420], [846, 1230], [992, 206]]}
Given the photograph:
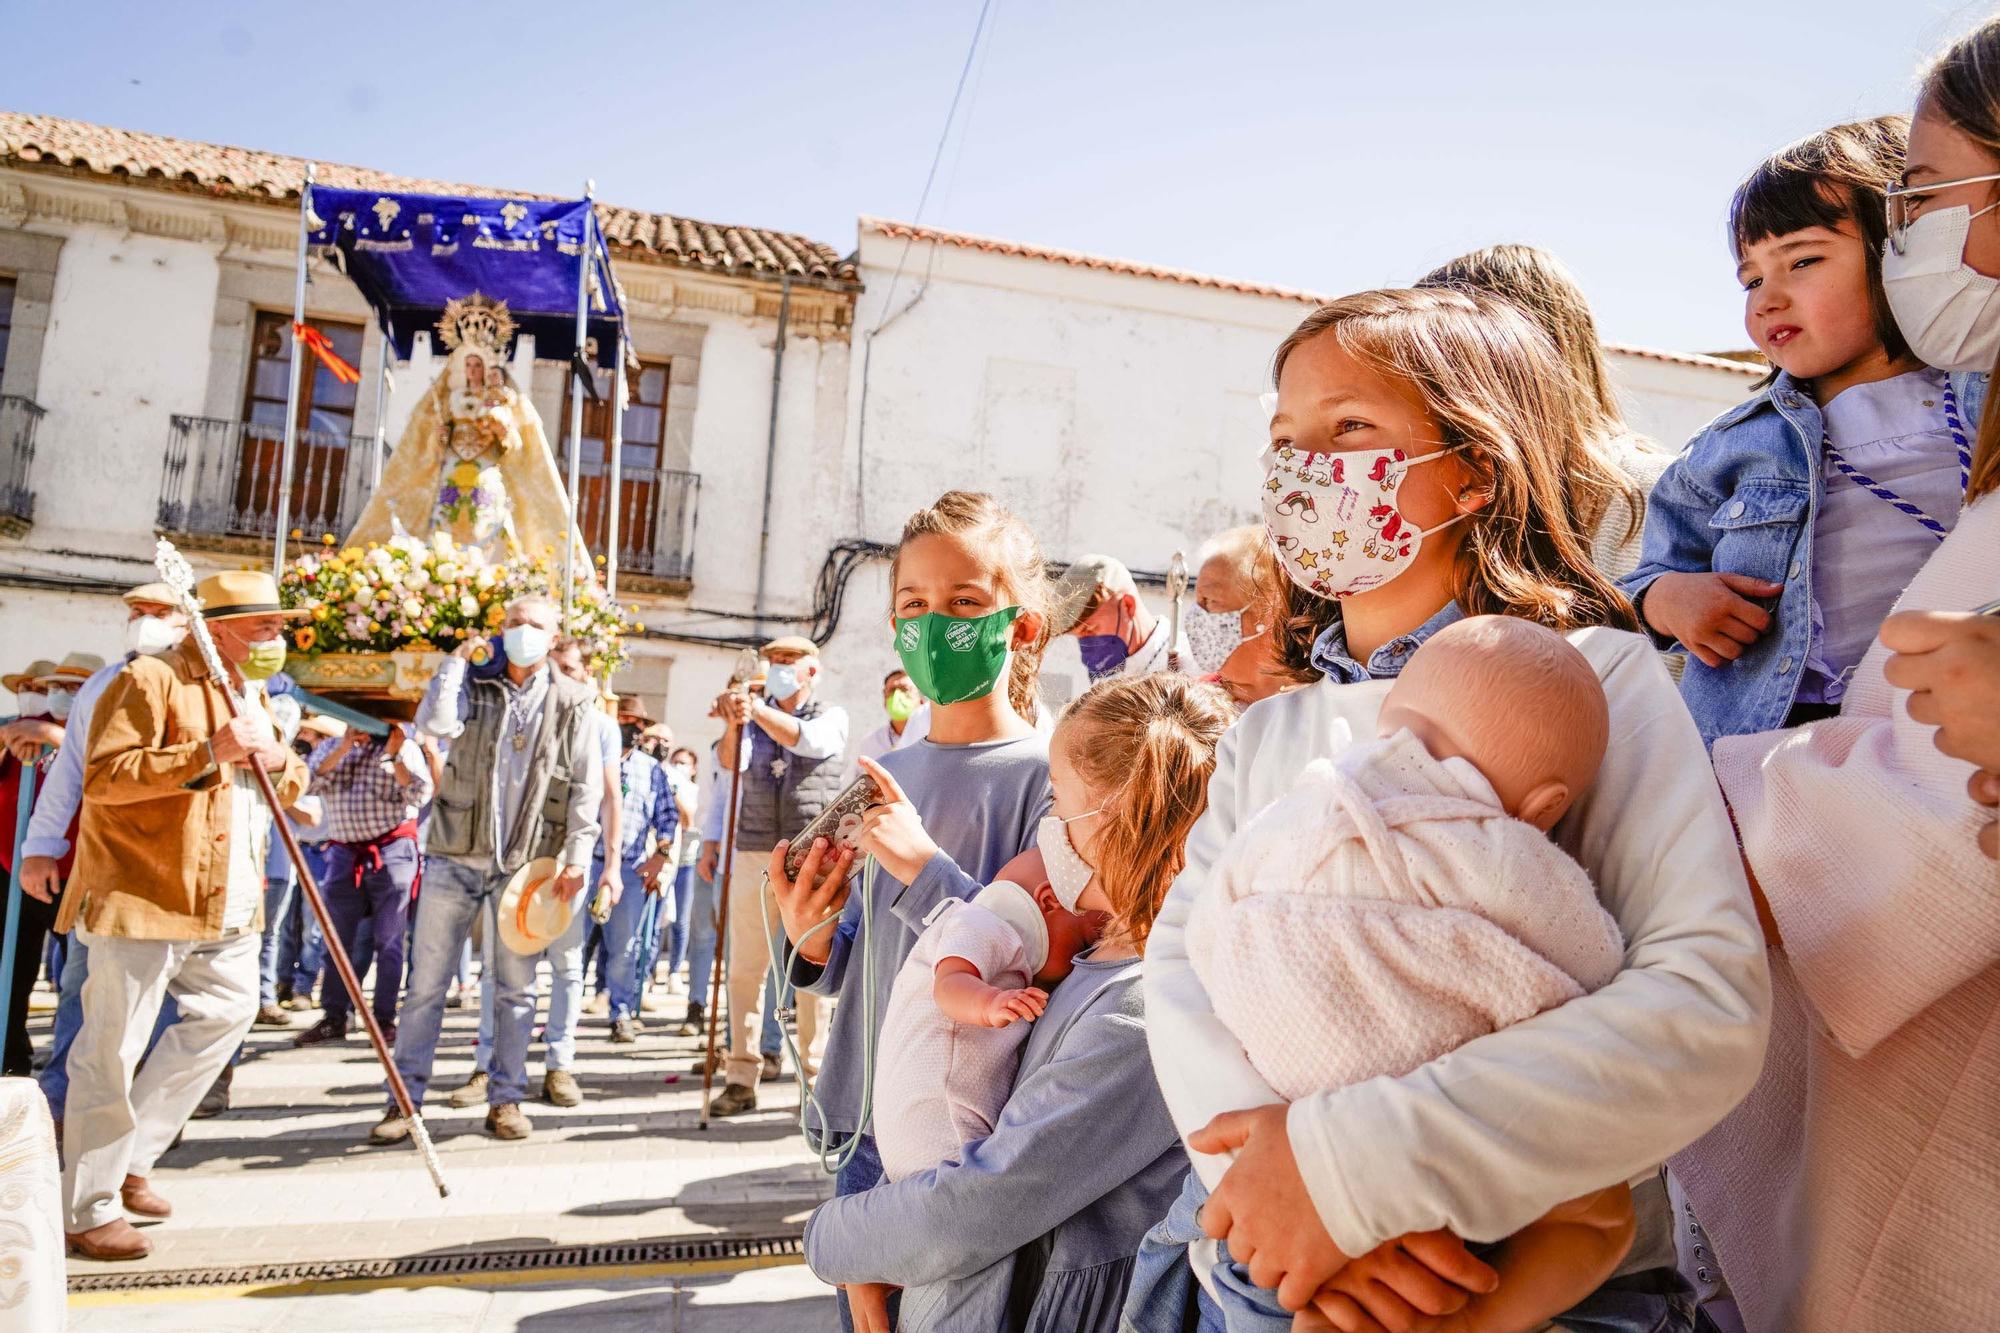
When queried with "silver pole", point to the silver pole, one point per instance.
{"points": [[617, 473], [381, 404], [576, 394], [292, 387]]}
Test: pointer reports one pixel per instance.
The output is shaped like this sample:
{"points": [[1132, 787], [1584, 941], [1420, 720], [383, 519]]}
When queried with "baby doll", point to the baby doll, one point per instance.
{"points": [[1404, 899], [960, 1009]]}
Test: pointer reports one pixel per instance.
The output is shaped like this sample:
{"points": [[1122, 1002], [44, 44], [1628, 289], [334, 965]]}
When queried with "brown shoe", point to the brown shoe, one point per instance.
{"points": [[327, 1029], [473, 1093], [274, 1016], [508, 1121], [140, 1197], [115, 1240], [734, 1099], [559, 1088], [703, 1065]]}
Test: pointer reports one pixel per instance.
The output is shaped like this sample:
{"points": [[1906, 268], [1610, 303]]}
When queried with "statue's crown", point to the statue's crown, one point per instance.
{"points": [[476, 321]]}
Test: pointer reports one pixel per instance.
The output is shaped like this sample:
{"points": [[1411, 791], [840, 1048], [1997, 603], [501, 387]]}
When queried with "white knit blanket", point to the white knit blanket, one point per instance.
{"points": [[1385, 912]]}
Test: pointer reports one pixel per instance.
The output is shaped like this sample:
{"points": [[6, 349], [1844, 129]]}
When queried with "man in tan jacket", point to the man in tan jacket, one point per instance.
{"points": [[171, 845]]}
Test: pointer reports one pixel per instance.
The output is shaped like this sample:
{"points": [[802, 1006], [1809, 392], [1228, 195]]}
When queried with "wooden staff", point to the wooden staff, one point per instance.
{"points": [[746, 666], [177, 574]]}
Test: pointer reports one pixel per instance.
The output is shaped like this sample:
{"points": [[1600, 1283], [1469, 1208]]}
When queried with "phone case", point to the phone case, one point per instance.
{"points": [[839, 823]]}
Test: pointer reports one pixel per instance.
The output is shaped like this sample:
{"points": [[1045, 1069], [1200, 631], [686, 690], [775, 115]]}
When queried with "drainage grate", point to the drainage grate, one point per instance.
{"points": [[628, 1254]]}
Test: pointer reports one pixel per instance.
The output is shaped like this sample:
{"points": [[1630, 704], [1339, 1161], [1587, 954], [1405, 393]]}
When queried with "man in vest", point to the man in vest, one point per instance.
{"points": [[523, 780], [791, 772]]}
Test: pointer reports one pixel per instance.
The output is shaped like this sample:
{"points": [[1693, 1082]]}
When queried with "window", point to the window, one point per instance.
{"points": [[6, 321], [644, 443], [326, 422]]}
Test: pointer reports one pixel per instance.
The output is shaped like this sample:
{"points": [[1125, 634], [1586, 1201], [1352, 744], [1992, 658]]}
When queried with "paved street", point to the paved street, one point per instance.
{"points": [[286, 1177]]}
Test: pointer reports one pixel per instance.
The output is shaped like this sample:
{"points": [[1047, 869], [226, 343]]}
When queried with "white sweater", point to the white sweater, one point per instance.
{"points": [[1488, 1138]]}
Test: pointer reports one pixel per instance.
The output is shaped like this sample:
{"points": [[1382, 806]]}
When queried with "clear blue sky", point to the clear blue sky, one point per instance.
{"points": [[1328, 145]]}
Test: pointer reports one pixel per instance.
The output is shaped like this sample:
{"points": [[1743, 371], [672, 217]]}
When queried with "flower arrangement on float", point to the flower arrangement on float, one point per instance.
{"points": [[383, 615]]}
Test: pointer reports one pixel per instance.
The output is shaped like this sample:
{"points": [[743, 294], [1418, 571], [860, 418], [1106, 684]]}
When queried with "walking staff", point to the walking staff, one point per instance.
{"points": [[22, 811], [746, 667]]}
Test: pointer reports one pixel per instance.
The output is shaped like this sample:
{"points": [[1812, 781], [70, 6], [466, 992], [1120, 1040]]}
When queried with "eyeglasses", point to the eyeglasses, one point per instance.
{"points": [[1904, 201]]}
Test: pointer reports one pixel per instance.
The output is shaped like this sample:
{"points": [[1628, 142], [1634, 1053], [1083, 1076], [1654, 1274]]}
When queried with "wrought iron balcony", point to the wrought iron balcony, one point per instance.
{"points": [[220, 488], [18, 419]]}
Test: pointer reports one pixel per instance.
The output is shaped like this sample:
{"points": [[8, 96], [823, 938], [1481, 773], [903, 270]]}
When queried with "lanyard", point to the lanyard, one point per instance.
{"points": [[1876, 488]]}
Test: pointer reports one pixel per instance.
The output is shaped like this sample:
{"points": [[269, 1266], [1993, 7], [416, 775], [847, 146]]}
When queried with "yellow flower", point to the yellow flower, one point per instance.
{"points": [[374, 627], [297, 533], [327, 538], [352, 553], [306, 637], [465, 475]]}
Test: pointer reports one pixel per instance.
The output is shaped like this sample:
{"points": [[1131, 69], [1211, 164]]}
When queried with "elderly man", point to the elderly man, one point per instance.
{"points": [[523, 780], [1116, 633], [153, 625], [791, 772], [170, 859]]}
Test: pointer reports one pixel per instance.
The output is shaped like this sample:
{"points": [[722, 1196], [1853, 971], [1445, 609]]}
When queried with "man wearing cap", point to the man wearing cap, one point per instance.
{"points": [[170, 864], [522, 782], [1117, 634], [372, 792], [791, 772], [154, 624]]}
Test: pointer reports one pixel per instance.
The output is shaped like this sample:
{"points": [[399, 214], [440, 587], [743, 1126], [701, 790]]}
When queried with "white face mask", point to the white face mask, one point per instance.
{"points": [[1069, 873], [148, 636], [1948, 311], [1334, 518], [31, 703], [1211, 635], [527, 645], [59, 703]]}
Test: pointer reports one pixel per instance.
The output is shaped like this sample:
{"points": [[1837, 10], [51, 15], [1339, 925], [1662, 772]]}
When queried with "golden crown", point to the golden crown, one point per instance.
{"points": [[476, 321]]}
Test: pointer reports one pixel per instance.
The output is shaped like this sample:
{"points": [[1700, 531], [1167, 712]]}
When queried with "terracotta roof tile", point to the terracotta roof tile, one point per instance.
{"points": [[222, 171]]}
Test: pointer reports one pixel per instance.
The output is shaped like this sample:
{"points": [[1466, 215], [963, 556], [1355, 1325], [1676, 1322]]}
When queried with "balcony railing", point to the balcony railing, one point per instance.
{"points": [[18, 419], [221, 484]]}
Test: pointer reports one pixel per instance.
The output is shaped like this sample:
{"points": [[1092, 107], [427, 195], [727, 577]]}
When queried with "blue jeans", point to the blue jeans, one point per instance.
{"points": [[363, 897], [677, 931], [624, 941], [454, 893], [565, 997], [302, 952], [54, 1078], [277, 898], [701, 962]]}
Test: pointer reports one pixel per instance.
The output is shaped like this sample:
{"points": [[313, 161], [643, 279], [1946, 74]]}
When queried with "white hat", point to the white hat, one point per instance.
{"points": [[1018, 908], [531, 916]]}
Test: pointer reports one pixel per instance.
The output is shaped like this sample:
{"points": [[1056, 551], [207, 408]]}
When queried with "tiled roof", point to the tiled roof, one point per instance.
{"points": [[1077, 259], [245, 173]]}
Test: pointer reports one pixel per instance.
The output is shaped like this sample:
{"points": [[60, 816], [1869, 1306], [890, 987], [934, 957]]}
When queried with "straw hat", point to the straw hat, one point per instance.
{"points": [[151, 592], [330, 727], [790, 643], [73, 670], [242, 592], [531, 917], [21, 679]]}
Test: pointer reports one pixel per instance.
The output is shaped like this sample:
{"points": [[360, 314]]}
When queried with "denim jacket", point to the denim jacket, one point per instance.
{"points": [[1741, 499]]}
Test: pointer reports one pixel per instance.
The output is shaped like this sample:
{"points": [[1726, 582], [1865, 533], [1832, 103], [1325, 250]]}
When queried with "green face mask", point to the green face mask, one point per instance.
{"points": [[266, 660], [951, 659], [901, 706]]}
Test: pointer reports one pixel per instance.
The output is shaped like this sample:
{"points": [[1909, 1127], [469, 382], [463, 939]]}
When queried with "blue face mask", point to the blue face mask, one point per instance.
{"points": [[781, 681]]}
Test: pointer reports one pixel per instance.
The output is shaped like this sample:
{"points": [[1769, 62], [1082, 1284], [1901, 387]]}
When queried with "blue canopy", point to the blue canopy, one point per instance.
{"points": [[411, 253]]}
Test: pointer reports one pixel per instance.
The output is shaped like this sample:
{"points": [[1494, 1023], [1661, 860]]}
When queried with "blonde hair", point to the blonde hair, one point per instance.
{"points": [[1494, 383], [1014, 558], [1963, 86], [1541, 287], [1146, 746]]}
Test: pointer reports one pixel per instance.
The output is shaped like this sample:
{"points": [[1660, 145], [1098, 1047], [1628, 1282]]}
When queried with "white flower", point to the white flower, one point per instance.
{"points": [[468, 606], [412, 608]]}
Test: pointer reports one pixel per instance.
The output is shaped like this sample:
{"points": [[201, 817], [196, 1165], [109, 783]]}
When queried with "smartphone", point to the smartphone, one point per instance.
{"points": [[839, 823]]}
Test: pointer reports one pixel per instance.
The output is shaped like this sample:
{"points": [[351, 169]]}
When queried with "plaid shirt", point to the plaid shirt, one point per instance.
{"points": [[363, 801], [647, 802]]}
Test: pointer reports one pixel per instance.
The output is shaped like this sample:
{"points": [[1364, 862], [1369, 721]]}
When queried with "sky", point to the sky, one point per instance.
{"points": [[1330, 146]]}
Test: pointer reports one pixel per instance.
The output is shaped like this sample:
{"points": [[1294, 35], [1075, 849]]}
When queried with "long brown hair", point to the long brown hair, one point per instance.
{"points": [[1963, 86], [1540, 286], [1014, 557], [1147, 746], [1494, 383]]}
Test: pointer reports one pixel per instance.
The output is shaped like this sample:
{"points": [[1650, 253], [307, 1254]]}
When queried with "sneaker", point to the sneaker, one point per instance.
{"points": [[508, 1121], [455, 1000], [559, 1088], [774, 1070], [391, 1129], [274, 1016], [694, 1024], [625, 1031], [600, 1005], [472, 1094], [327, 1029], [734, 1099]]}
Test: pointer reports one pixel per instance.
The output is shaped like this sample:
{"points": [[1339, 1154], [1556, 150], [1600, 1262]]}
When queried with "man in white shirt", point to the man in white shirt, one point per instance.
{"points": [[909, 722], [1117, 634]]}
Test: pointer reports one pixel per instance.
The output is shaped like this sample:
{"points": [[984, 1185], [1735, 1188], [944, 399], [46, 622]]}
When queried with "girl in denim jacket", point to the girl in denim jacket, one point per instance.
{"points": [[1778, 540]]}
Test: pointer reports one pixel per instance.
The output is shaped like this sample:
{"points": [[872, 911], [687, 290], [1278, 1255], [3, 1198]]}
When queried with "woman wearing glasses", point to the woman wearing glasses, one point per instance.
{"points": [[1855, 1189]]}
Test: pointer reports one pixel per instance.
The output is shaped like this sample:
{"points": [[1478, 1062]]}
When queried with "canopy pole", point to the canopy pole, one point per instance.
{"points": [[292, 384], [576, 392], [617, 499], [381, 405]]}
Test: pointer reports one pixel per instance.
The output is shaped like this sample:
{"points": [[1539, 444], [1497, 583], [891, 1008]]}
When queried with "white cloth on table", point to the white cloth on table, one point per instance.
{"points": [[940, 1084], [1385, 912]]}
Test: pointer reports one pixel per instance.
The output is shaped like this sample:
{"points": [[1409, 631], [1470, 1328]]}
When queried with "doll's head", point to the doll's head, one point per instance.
{"points": [[1516, 701], [1022, 896]]}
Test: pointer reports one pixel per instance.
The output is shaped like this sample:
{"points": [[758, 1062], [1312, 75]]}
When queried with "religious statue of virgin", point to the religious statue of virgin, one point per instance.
{"points": [[473, 462]]}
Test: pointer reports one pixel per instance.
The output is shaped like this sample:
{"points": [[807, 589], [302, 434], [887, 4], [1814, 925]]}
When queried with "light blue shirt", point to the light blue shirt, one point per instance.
{"points": [[62, 790]]}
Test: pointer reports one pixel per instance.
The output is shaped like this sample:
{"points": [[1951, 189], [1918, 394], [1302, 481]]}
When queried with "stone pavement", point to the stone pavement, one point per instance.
{"points": [[287, 1176]]}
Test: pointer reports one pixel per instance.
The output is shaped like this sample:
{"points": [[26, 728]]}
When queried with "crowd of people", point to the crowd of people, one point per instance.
{"points": [[1544, 877]]}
